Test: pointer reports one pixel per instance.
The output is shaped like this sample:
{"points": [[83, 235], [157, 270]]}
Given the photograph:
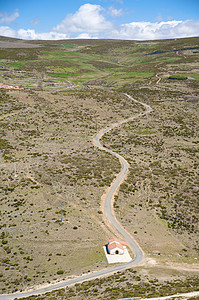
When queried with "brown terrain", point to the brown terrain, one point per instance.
{"points": [[70, 90]]}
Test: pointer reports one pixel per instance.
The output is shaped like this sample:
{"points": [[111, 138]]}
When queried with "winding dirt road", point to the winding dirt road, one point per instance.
{"points": [[108, 209], [110, 217]]}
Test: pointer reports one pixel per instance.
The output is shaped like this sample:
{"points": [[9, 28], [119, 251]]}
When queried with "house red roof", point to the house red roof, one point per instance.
{"points": [[116, 241], [113, 245]]}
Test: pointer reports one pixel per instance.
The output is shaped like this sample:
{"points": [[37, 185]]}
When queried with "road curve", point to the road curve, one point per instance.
{"points": [[109, 214], [109, 196]]}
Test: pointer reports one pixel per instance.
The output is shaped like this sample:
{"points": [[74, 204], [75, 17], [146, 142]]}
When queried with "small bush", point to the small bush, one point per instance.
{"points": [[60, 272]]}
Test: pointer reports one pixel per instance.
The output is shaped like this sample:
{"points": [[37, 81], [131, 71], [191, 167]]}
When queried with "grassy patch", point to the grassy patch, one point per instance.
{"points": [[195, 76]]}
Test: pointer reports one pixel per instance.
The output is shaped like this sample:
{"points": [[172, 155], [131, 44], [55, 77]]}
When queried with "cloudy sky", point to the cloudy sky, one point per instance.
{"points": [[118, 19]]}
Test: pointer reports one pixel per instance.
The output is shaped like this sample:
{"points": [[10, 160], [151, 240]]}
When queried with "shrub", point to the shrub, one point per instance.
{"points": [[60, 272]]}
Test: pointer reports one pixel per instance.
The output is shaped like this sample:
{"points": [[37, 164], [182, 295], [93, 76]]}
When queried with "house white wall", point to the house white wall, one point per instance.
{"points": [[116, 250]]}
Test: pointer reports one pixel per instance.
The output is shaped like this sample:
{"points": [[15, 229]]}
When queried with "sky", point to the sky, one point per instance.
{"points": [[109, 19]]}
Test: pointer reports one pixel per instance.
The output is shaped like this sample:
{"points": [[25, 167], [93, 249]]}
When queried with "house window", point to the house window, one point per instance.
{"points": [[116, 252]]}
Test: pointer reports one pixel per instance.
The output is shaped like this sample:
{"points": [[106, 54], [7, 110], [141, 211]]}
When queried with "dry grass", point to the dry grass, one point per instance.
{"points": [[47, 131], [50, 143]]}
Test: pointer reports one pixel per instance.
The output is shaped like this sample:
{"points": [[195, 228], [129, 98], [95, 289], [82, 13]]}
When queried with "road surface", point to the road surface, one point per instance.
{"points": [[120, 178], [109, 214]]}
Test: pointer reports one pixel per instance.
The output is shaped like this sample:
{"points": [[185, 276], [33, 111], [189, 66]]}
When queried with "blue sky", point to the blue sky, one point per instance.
{"points": [[119, 19]]}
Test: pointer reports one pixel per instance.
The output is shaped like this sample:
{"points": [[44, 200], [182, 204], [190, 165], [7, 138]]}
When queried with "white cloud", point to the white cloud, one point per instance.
{"points": [[86, 36], [88, 19], [7, 31], [151, 31], [6, 18], [115, 12], [30, 34]]}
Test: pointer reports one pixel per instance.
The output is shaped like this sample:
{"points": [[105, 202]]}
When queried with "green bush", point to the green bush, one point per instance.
{"points": [[60, 272]]}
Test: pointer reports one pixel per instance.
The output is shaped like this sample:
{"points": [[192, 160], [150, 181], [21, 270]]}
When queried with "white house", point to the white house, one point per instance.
{"points": [[115, 247]]}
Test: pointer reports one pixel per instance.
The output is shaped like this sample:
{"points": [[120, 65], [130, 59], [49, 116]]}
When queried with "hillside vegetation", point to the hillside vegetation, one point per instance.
{"points": [[71, 89]]}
